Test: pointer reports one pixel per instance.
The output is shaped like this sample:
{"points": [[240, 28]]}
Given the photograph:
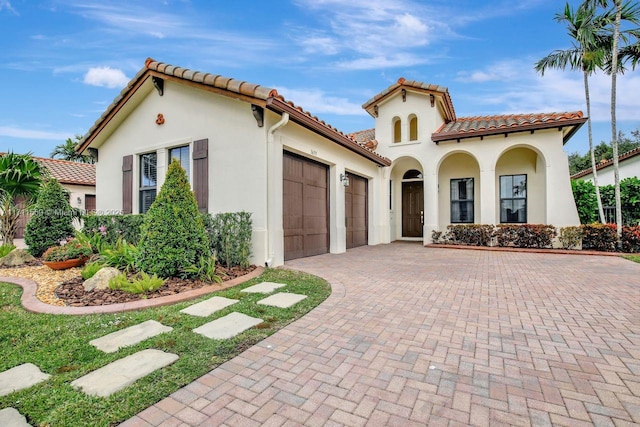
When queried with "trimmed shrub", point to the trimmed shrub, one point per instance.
{"points": [[570, 237], [599, 237], [469, 234], [631, 239], [51, 221], [525, 235], [173, 235], [230, 237], [114, 227], [584, 195]]}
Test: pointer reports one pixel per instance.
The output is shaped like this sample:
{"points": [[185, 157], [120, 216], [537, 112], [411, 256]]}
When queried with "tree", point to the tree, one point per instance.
{"points": [[52, 220], [67, 151], [587, 55], [173, 236], [604, 151], [20, 178]]}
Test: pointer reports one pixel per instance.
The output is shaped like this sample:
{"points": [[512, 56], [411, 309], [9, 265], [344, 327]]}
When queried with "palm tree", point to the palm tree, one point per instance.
{"points": [[20, 178], [587, 55], [67, 151]]}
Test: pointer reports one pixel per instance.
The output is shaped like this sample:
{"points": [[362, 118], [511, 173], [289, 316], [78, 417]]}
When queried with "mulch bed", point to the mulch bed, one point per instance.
{"points": [[73, 294]]}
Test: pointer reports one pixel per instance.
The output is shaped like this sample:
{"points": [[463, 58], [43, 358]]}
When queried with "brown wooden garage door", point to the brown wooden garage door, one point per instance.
{"points": [[305, 207], [355, 198]]}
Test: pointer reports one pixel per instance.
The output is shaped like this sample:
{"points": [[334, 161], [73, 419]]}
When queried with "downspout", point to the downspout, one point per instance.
{"points": [[271, 191]]}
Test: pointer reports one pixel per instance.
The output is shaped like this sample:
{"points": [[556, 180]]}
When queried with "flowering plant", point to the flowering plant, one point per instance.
{"points": [[71, 249]]}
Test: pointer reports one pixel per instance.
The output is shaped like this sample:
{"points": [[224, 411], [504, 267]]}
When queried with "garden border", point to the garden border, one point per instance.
{"points": [[529, 250], [31, 303]]}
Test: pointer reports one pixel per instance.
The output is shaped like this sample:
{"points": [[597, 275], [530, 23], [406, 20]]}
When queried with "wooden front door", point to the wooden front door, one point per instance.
{"points": [[412, 208], [90, 203], [355, 198], [305, 207]]}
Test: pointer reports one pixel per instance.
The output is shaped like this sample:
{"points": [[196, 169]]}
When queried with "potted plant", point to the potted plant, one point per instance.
{"points": [[72, 253]]}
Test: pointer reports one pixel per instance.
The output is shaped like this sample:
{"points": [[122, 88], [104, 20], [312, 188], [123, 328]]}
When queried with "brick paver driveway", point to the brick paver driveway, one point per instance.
{"points": [[414, 335]]}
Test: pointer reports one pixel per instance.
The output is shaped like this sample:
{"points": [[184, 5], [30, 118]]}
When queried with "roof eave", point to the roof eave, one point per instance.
{"points": [[313, 125]]}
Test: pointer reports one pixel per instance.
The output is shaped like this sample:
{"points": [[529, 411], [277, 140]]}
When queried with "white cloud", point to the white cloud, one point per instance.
{"points": [[6, 5], [15, 132], [316, 101], [105, 77]]}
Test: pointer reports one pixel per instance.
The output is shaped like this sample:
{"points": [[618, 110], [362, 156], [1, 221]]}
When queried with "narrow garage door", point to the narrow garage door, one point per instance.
{"points": [[355, 198], [305, 207]]}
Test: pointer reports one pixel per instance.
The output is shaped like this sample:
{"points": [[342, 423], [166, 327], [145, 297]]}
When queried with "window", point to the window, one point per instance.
{"points": [[181, 154], [148, 180], [462, 200], [413, 128], [397, 129], [513, 198], [412, 174]]}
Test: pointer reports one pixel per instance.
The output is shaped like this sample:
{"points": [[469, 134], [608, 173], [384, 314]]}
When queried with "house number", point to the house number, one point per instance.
{"points": [[314, 153]]}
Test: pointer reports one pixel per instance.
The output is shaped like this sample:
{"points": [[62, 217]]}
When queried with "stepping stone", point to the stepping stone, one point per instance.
{"points": [[19, 377], [129, 336], [124, 372], [208, 307], [263, 288], [282, 300], [228, 326], [10, 417]]}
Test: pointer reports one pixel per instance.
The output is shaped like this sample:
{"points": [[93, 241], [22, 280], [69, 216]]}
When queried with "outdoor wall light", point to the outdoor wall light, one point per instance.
{"points": [[345, 179], [79, 200]]}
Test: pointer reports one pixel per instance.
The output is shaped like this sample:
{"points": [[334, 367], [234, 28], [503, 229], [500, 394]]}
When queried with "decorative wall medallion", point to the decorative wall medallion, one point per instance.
{"points": [[160, 119]]}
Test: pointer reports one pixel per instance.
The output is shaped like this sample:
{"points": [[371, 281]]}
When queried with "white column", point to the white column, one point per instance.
{"points": [[487, 199], [337, 225]]}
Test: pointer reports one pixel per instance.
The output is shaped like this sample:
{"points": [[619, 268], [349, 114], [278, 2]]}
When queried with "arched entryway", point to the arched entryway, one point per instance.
{"points": [[459, 190], [412, 203]]}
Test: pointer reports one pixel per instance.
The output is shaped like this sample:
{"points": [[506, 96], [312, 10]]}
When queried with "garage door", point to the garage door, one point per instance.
{"points": [[305, 207], [355, 198]]}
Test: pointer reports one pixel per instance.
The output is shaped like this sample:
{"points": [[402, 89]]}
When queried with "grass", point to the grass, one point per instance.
{"points": [[59, 345], [634, 258]]}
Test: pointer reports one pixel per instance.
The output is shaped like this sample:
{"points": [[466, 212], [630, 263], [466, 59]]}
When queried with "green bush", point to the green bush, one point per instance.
{"points": [[140, 284], [5, 249], [570, 237], [631, 239], [51, 221], [113, 227], [468, 234], [91, 269], [230, 237], [599, 237], [525, 235], [205, 271], [584, 195], [173, 235], [123, 256]]}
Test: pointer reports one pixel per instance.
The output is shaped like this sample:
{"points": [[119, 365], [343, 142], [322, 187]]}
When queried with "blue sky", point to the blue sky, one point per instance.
{"points": [[63, 61]]}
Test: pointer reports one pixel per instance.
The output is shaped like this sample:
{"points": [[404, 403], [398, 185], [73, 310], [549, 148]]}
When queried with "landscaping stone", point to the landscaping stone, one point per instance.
{"points": [[119, 374], [208, 307], [20, 377], [129, 336], [16, 257], [228, 326], [264, 288], [10, 417], [100, 280], [282, 300]]}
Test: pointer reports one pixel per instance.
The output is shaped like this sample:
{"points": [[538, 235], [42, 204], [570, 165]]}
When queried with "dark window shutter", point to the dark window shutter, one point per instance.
{"points": [[201, 173], [127, 184]]}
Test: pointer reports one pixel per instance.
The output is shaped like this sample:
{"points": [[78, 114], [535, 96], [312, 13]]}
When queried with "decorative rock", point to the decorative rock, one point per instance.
{"points": [[20, 377], [100, 280], [16, 257], [10, 417]]}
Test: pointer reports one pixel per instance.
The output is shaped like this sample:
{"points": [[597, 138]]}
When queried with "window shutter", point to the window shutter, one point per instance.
{"points": [[201, 173], [127, 184]]}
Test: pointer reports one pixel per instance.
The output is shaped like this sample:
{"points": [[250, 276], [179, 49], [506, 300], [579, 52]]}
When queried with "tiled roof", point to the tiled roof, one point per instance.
{"points": [[472, 127], [70, 172], [607, 163], [237, 88], [364, 136], [420, 86]]}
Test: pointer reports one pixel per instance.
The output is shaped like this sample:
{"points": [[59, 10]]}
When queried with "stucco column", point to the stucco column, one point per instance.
{"points": [[337, 225], [487, 199], [430, 203], [379, 207]]}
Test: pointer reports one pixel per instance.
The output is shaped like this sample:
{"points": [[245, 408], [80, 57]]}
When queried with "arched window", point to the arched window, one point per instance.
{"points": [[412, 174], [397, 129], [413, 128]]}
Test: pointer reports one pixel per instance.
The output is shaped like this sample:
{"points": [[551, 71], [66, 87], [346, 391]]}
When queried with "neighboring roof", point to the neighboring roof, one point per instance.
{"points": [[473, 127], [363, 136], [441, 91], [607, 163], [260, 95], [67, 172]]}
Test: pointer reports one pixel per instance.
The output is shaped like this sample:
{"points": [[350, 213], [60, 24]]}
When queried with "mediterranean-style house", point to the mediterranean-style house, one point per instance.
{"points": [[628, 166], [312, 189]]}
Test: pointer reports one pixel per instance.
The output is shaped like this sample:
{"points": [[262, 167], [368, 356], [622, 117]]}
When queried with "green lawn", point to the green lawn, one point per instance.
{"points": [[59, 345], [634, 258]]}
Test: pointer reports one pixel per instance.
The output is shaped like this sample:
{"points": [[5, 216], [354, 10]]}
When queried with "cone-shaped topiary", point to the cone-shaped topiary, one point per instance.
{"points": [[173, 236], [52, 219]]}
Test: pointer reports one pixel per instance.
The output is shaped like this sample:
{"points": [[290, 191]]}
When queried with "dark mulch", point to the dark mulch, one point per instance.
{"points": [[73, 294]]}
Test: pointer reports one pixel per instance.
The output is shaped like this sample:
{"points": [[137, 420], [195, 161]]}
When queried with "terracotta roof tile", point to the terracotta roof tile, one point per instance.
{"points": [[68, 172], [470, 127], [607, 163], [364, 136]]}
